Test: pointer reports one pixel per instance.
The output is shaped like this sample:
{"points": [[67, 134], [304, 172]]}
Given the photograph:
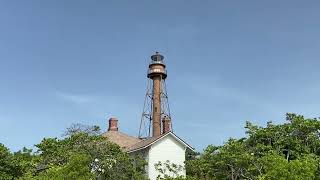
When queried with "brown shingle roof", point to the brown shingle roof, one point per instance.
{"points": [[123, 140], [131, 144], [144, 143]]}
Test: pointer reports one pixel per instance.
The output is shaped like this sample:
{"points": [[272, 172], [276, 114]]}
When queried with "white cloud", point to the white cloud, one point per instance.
{"points": [[75, 98]]}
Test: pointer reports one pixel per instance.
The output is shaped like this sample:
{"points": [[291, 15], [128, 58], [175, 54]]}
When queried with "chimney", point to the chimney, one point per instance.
{"points": [[113, 124], [166, 125]]}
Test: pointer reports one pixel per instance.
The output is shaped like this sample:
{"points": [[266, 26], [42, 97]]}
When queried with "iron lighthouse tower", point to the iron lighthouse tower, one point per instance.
{"points": [[156, 112]]}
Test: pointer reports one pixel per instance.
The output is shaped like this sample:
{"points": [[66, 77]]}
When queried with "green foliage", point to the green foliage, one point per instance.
{"points": [[289, 151], [76, 168], [6, 167], [278, 168], [25, 161], [168, 170], [17, 164], [285, 151], [82, 154], [171, 171], [96, 158]]}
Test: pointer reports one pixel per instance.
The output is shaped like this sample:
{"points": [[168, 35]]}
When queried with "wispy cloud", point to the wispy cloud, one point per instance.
{"points": [[98, 106], [214, 88], [75, 98]]}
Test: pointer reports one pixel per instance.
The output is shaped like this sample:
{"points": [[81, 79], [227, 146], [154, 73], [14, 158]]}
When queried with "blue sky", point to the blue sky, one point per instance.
{"points": [[64, 62]]}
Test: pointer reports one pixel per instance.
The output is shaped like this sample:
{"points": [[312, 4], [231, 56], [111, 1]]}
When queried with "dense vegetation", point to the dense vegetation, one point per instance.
{"points": [[82, 154], [280, 152]]}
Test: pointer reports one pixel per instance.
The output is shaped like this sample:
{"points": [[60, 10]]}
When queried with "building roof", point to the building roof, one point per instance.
{"points": [[123, 140], [148, 142]]}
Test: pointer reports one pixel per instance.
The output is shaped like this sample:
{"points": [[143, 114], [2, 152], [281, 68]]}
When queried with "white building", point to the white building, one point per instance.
{"points": [[163, 148]]}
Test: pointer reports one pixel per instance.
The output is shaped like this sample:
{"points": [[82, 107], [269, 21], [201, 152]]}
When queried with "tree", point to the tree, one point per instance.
{"points": [[170, 171], [284, 151], [83, 155], [276, 167], [6, 166], [15, 165], [275, 152]]}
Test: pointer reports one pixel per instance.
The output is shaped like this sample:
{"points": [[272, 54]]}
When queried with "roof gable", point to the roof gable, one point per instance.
{"points": [[148, 142]]}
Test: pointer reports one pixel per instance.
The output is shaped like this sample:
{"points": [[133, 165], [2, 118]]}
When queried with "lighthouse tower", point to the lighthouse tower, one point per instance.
{"points": [[156, 113], [156, 141]]}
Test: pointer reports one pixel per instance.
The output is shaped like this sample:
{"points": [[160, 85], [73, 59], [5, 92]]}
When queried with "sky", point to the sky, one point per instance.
{"points": [[228, 62]]}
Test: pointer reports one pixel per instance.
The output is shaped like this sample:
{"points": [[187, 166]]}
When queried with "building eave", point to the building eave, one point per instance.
{"points": [[161, 137]]}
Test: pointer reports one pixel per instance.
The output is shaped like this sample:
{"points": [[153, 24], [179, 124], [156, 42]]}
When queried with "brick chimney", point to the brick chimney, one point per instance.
{"points": [[113, 124], [166, 125]]}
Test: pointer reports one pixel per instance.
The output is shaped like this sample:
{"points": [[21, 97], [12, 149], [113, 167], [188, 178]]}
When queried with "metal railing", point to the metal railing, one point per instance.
{"points": [[157, 62], [157, 71]]}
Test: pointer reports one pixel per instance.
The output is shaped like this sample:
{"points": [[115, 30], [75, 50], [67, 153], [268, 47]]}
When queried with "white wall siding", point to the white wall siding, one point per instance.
{"points": [[168, 148]]}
